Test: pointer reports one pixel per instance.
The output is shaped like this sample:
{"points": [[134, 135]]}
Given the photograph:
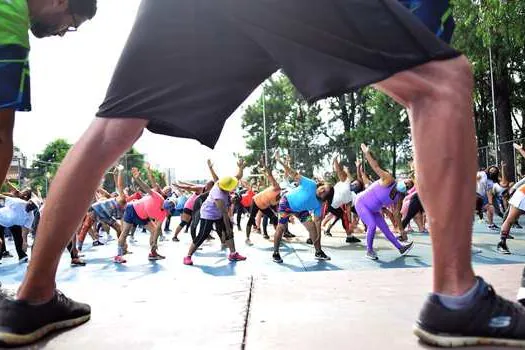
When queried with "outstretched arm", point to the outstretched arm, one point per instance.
{"points": [[358, 170], [341, 174], [240, 168], [504, 181], [212, 171], [136, 176], [119, 181], [151, 178], [385, 176], [192, 188], [268, 172], [287, 169]]}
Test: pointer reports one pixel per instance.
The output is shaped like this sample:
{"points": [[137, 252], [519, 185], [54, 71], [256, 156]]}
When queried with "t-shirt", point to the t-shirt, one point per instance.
{"points": [[209, 209], [303, 197], [247, 198], [150, 206], [266, 198], [14, 213], [484, 184], [342, 194], [14, 22], [191, 201], [109, 207], [181, 202]]}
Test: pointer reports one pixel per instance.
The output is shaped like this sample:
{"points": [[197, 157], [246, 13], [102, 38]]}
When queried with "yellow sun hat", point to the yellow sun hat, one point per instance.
{"points": [[228, 183]]}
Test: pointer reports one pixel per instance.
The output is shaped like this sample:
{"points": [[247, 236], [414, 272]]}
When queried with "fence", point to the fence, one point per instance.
{"points": [[491, 155]]}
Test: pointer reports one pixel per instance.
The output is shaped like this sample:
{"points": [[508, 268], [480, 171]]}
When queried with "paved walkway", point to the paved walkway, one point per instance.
{"points": [[258, 304]]}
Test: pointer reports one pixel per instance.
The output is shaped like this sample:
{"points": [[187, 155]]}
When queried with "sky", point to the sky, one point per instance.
{"points": [[69, 77]]}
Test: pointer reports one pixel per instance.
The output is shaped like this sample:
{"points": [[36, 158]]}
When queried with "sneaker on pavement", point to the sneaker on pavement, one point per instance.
{"points": [[404, 250], [309, 241], [77, 262], [248, 242], [371, 255], [175, 239], [328, 234], [22, 323], [97, 243], [352, 239], [277, 258], [288, 235], [265, 236], [187, 260], [493, 227], [502, 248], [236, 257], [489, 320], [517, 225], [155, 256], [23, 260], [320, 255], [509, 236], [119, 259]]}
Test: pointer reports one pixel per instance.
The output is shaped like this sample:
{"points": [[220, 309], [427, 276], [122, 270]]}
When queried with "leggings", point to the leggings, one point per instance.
{"points": [[168, 222], [240, 210], [205, 228], [16, 231], [414, 208], [340, 214], [373, 219], [268, 214]]}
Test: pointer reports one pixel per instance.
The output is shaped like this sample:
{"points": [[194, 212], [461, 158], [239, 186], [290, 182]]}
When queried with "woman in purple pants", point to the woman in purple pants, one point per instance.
{"points": [[380, 194]]}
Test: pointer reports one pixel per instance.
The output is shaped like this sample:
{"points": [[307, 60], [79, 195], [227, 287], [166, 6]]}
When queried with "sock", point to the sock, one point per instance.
{"points": [[461, 302]]}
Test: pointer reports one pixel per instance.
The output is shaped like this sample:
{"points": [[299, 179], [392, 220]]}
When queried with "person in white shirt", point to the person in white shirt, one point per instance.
{"points": [[484, 185], [17, 215]]}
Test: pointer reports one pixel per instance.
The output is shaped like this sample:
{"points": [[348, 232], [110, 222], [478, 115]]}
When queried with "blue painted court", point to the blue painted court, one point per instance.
{"points": [[297, 255]]}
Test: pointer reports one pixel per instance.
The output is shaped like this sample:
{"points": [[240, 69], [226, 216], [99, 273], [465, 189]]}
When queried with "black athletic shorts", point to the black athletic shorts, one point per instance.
{"points": [[188, 64]]}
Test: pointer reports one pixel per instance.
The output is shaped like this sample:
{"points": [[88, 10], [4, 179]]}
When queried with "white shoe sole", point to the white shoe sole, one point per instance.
{"points": [[408, 250], [19, 339], [451, 341]]}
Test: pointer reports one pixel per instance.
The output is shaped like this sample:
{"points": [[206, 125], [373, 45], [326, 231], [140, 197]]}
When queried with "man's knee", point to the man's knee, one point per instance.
{"points": [[449, 79], [116, 134]]}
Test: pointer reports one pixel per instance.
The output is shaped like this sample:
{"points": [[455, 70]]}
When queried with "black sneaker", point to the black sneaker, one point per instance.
{"points": [[77, 262], [493, 227], [265, 236], [288, 235], [328, 234], [490, 320], [22, 323], [352, 239], [404, 250], [517, 225], [320, 255], [277, 258], [309, 241], [502, 248], [291, 234], [509, 236], [97, 243], [6, 254]]}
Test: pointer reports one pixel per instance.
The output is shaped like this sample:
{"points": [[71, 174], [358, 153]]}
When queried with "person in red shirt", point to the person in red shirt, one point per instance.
{"points": [[149, 211]]}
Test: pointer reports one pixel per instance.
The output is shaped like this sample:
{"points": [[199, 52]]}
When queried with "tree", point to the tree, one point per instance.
{"points": [[291, 125], [46, 164]]}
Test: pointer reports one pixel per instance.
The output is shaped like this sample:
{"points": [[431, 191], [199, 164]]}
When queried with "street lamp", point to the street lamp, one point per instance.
{"points": [[264, 127]]}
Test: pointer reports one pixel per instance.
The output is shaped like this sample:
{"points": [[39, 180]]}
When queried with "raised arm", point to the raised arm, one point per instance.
{"points": [[520, 149], [151, 178], [142, 185], [358, 171], [119, 181], [385, 176], [101, 191], [366, 180], [504, 181], [212, 171], [240, 168], [341, 174], [287, 169], [268, 172], [192, 188]]}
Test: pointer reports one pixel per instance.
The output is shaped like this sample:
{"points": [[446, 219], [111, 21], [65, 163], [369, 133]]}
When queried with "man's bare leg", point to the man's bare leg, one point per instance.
{"points": [[70, 195], [439, 98], [7, 122]]}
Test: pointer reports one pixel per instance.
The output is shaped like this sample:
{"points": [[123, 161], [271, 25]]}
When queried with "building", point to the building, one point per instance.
{"points": [[18, 167]]}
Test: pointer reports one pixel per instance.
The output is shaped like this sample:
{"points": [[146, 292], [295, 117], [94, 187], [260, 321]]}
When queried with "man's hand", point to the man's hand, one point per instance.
{"points": [[364, 148], [240, 163], [517, 147]]}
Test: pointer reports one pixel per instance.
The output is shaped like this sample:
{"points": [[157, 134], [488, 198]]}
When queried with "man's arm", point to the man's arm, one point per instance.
{"points": [[212, 171], [358, 171], [385, 176], [119, 182], [192, 188], [268, 172]]}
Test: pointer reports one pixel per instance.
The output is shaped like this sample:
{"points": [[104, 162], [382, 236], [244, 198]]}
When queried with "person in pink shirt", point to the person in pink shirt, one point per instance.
{"points": [[185, 218], [149, 211]]}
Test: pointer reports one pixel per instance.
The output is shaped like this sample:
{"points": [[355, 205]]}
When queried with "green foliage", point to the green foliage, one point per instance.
{"points": [[46, 164]]}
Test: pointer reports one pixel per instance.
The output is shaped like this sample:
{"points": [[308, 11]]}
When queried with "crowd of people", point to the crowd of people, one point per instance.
{"points": [[186, 67]]}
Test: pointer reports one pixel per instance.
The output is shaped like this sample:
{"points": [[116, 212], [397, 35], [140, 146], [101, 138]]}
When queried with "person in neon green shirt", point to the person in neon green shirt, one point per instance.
{"points": [[44, 18]]}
